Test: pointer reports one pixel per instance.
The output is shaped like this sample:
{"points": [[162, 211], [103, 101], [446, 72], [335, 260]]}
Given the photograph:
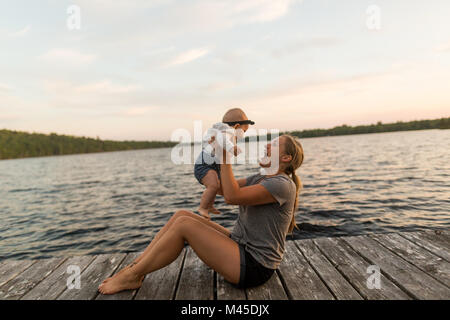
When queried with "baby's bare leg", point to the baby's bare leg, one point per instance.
{"points": [[220, 192], [212, 184]]}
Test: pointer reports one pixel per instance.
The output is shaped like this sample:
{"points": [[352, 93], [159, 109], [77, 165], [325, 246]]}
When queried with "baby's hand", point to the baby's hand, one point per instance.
{"points": [[212, 140], [236, 151]]}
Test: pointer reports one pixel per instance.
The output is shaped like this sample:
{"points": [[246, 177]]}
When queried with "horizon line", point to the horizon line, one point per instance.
{"points": [[281, 131]]}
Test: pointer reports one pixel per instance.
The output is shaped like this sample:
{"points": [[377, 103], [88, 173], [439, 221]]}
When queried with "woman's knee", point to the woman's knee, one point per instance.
{"points": [[182, 213], [184, 216], [184, 223]]}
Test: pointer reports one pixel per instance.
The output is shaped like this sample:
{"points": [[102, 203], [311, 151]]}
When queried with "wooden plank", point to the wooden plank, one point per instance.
{"points": [[270, 290], [102, 267], [444, 233], [28, 279], [417, 263], [53, 285], [197, 279], [161, 284], [302, 282], [430, 242], [227, 291], [419, 284], [435, 266], [439, 236], [335, 282], [354, 269], [123, 295], [12, 268]]}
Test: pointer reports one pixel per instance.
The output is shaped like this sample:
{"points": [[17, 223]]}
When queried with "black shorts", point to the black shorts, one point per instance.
{"points": [[201, 168], [252, 272]]}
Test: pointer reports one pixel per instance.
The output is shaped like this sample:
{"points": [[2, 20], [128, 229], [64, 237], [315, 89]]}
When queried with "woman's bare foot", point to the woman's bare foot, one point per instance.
{"points": [[124, 280], [214, 210], [204, 213], [123, 269]]}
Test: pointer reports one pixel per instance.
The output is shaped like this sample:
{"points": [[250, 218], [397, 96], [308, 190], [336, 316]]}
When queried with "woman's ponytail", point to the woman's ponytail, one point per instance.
{"points": [[298, 187], [294, 149]]}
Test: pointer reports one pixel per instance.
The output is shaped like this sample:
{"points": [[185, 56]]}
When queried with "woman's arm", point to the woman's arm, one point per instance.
{"points": [[234, 193], [242, 182]]}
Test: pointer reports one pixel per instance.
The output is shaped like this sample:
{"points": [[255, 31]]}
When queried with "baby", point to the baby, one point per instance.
{"points": [[207, 166]]}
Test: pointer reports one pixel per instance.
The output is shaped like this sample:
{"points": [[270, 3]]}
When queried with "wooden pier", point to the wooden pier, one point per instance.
{"points": [[413, 265]]}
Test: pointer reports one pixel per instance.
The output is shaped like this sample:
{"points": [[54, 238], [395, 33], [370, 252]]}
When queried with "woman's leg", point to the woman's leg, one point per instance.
{"points": [[180, 213], [214, 248]]}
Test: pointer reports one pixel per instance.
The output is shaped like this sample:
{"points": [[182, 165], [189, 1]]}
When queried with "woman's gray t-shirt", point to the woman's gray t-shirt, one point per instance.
{"points": [[262, 229]]}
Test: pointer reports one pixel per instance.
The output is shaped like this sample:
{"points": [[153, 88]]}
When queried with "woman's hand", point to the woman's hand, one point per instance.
{"points": [[235, 193]]}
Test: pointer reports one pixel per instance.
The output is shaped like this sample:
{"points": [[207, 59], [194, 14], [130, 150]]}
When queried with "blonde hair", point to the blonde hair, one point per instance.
{"points": [[293, 148]]}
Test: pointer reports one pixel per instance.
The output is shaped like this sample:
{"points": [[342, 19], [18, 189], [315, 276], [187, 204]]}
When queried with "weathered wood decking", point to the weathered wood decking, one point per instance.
{"points": [[414, 265]]}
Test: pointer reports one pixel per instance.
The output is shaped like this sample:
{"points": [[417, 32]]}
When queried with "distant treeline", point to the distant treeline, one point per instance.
{"points": [[15, 144], [443, 123]]}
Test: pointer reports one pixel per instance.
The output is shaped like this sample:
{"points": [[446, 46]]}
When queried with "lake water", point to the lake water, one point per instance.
{"points": [[117, 201]]}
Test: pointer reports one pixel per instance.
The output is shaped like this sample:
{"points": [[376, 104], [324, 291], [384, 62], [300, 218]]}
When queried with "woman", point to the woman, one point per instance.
{"points": [[250, 254]]}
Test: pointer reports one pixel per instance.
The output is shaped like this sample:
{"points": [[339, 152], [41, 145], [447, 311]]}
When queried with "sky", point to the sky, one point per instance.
{"points": [[141, 69]]}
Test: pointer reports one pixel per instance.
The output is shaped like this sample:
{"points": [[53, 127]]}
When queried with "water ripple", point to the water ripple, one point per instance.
{"points": [[118, 201]]}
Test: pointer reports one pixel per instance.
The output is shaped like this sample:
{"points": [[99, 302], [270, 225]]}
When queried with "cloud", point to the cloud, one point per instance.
{"points": [[105, 87], [8, 117], [206, 16], [304, 44], [321, 85], [94, 95], [229, 13], [137, 111], [259, 10], [12, 106], [4, 88], [113, 23], [68, 56], [20, 33], [120, 6], [187, 56], [443, 48], [225, 11], [357, 98], [218, 86]]}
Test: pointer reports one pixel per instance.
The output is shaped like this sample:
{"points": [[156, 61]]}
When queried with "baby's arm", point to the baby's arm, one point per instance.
{"points": [[210, 133], [236, 151], [223, 141], [208, 139]]}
